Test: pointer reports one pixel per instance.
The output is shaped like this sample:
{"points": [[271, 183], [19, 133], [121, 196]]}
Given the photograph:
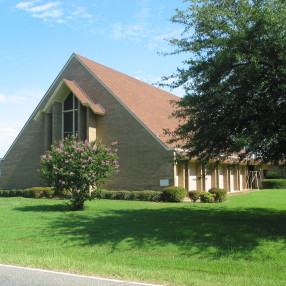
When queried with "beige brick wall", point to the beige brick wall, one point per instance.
{"points": [[19, 169]]}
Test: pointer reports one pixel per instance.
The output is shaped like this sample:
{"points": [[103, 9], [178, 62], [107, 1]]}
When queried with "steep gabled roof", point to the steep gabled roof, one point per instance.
{"points": [[149, 104]]}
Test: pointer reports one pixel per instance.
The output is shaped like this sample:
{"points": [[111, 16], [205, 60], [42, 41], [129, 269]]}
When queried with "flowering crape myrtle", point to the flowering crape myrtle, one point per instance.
{"points": [[78, 166]]}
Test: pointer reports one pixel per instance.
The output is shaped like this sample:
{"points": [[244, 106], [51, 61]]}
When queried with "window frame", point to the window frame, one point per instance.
{"points": [[74, 111]]}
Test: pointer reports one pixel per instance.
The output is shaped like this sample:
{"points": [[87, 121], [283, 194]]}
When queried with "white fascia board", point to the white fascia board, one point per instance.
{"points": [[46, 108], [38, 106], [118, 99]]}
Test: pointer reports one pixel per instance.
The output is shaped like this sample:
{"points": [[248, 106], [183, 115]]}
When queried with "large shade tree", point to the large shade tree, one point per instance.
{"points": [[235, 78]]}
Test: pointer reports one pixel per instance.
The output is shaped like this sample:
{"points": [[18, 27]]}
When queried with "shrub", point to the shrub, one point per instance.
{"points": [[39, 192], [77, 166], [274, 175], [194, 195], [206, 197], [220, 195], [174, 194], [274, 184], [152, 196]]}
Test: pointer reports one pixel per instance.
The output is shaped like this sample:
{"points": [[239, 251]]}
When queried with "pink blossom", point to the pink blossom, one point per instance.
{"points": [[59, 150], [89, 158], [114, 143], [115, 162], [94, 148], [115, 150], [44, 157]]}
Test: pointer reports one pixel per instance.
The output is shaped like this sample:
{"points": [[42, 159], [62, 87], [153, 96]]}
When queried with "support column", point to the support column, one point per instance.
{"points": [[90, 125], [47, 131], [82, 119], [57, 121]]}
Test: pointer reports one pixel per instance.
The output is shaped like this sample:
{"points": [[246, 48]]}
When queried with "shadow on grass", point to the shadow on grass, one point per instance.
{"points": [[64, 207], [213, 231]]}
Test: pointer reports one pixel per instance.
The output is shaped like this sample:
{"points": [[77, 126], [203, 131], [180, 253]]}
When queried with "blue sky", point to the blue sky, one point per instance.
{"points": [[38, 37]]}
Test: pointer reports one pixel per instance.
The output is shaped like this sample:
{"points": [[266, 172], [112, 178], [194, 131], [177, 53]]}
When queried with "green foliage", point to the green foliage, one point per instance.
{"points": [[220, 195], [234, 76], [274, 175], [77, 166], [35, 192], [174, 194], [207, 197], [194, 195], [274, 184], [153, 196]]}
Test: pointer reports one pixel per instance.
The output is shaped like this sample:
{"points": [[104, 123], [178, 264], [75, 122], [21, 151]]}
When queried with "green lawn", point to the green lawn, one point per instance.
{"points": [[239, 242]]}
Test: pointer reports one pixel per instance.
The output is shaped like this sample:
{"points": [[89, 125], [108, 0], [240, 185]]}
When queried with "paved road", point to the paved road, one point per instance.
{"points": [[20, 276]]}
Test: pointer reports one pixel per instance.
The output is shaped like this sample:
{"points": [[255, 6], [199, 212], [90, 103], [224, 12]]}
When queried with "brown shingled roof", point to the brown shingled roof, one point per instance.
{"points": [[149, 104], [82, 97]]}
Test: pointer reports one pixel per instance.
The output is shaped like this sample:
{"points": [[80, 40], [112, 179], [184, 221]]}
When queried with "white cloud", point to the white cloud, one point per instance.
{"points": [[44, 7], [80, 12], [25, 5], [54, 13], [2, 97], [120, 31], [45, 11]]}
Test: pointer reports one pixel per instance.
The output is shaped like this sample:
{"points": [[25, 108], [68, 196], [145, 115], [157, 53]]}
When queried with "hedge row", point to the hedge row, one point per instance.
{"points": [[153, 196], [36, 192], [171, 194], [274, 184]]}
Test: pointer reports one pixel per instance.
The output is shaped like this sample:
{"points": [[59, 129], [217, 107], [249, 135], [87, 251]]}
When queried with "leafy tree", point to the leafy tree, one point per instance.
{"points": [[234, 77], [78, 166]]}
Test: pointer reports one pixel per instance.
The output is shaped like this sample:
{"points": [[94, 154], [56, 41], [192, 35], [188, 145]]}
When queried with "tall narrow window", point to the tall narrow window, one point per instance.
{"points": [[70, 115]]}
